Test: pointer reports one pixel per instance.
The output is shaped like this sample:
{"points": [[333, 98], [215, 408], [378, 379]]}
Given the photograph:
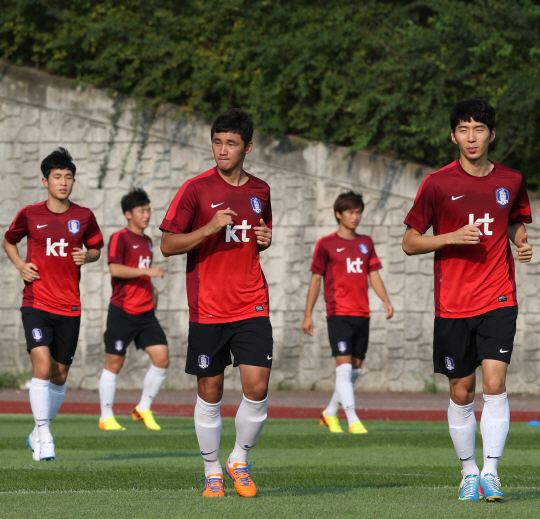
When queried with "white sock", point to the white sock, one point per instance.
{"points": [[462, 424], [107, 390], [40, 403], [249, 421], [57, 395], [345, 391], [208, 430], [494, 425], [333, 406], [355, 373], [152, 384]]}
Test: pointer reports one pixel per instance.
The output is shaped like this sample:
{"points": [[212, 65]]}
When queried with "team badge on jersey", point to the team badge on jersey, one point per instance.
{"points": [[150, 247], [502, 196], [119, 345], [204, 362], [363, 248], [256, 205], [342, 346], [74, 226], [37, 334], [449, 363]]}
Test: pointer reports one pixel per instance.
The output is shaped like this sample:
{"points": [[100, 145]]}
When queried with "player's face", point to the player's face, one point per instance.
{"points": [[229, 150], [473, 139], [350, 218], [59, 183], [140, 216]]}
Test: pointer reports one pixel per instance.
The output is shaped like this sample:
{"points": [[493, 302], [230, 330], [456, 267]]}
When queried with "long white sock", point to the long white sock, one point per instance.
{"points": [[107, 390], [345, 391], [57, 395], [494, 425], [249, 421], [208, 430], [333, 406], [462, 424], [355, 373], [152, 384], [40, 404]]}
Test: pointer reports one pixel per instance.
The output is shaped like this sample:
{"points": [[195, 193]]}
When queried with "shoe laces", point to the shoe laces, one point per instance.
{"points": [[242, 474], [213, 485], [493, 483], [468, 483]]}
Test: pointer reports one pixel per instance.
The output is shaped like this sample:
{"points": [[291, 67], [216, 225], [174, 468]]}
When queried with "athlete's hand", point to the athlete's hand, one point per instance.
{"points": [[154, 272], [220, 220], [29, 272], [524, 250], [79, 256], [307, 325], [389, 310], [467, 235], [263, 235]]}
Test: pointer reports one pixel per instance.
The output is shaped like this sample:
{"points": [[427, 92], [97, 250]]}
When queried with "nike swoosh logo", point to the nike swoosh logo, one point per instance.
{"points": [[42, 425], [503, 351], [136, 246], [249, 447], [269, 358], [339, 250], [40, 226], [217, 205], [465, 459], [207, 453], [456, 197], [493, 457]]}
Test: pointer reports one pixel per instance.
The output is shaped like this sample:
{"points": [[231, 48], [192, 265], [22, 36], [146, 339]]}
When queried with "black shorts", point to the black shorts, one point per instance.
{"points": [[122, 328], [460, 345], [59, 332], [210, 346], [349, 335]]}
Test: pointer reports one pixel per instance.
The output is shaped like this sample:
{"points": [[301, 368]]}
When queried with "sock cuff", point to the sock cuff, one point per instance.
{"points": [[462, 410], [496, 398], [58, 389], [109, 376], [207, 408], [255, 402], [40, 383], [161, 372], [356, 372], [344, 368]]}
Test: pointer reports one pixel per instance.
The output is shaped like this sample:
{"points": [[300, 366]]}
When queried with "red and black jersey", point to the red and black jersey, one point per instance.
{"points": [[345, 265], [472, 279], [51, 240], [224, 279], [134, 296]]}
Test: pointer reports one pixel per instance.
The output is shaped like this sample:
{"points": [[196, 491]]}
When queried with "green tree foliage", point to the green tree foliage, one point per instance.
{"points": [[371, 74]]}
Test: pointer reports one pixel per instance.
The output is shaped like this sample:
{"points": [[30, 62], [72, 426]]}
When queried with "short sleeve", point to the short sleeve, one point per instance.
{"points": [[420, 216], [117, 248], [521, 208], [267, 213], [374, 263], [93, 239], [19, 228], [182, 211], [320, 259]]}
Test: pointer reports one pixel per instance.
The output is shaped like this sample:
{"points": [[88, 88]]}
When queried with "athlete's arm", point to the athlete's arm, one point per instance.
{"points": [[264, 235], [416, 243], [29, 272], [155, 295], [378, 286], [124, 272], [312, 295], [172, 243], [518, 235], [81, 257]]}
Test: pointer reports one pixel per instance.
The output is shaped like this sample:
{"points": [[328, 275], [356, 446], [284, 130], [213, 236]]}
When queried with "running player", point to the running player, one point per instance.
{"points": [[346, 260], [131, 314], [222, 219], [474, 206], [56, 231]]}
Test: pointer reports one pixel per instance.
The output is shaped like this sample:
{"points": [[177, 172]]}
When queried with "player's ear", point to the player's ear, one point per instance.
{"points": [[338, 216], [249, 147], [492, 135], [45, 181], [453, 137], [128, 215]]}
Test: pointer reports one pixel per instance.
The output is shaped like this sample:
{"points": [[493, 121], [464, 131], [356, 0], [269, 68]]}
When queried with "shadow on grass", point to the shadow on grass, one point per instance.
{"points": [[149, 455]]}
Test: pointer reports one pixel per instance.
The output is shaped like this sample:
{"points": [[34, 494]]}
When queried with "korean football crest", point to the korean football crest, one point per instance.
{"points": [[74, 227], [256, 205], [119, 345], [449, 362], [204, 362], [342, 346], [37, 334], [363, 248], [502, 196]]}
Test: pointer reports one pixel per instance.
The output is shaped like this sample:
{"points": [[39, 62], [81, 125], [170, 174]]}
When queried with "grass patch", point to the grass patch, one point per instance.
{"points": [[399, 469]]}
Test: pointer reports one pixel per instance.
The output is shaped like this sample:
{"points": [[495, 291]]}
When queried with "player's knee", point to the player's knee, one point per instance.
{"points": [[161, 363], [494, 386], [256, 393]]}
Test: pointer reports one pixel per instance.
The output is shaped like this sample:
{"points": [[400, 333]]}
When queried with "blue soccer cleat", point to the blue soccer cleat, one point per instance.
{"points": [[469, 488], [491, 488]]}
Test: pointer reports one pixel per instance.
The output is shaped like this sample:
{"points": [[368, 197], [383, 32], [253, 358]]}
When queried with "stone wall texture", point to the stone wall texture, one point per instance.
{"points": [[158, 152]]}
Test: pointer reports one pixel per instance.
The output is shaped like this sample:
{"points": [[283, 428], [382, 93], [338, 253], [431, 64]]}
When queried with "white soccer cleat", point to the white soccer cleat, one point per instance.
{"points": [[46, 451], [34, 446]]}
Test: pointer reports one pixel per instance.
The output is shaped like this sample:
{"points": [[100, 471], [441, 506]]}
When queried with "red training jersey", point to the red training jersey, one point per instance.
{"points": [[472, 279], [134, 296], [51, 240], [345, 265], [224, 279]]}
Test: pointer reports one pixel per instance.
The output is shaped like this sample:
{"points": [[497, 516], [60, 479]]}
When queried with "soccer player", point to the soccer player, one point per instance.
{"points": [[475, 207], [222, 219], [346, 260], [56, 231], [131, 314]]}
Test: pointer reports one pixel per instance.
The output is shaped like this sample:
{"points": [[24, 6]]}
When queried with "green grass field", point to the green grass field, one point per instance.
{"points": [[400, 469]]}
